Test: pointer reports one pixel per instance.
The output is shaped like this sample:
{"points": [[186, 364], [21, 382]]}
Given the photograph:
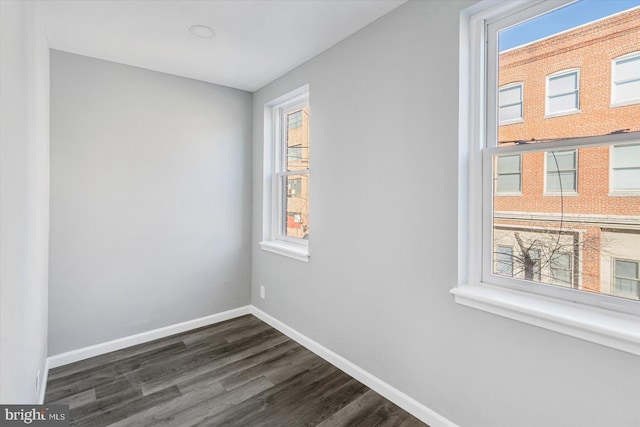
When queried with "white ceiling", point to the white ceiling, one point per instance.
{"points": [[256, 40]]}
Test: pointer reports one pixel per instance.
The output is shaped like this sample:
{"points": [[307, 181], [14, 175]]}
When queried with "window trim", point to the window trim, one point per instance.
{"points": [[576, 110], [606, 324], [519, 119], [615, 103], [562, 193], [274, 157]]}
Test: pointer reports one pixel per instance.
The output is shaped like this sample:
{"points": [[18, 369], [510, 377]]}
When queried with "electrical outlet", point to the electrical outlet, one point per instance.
{"points": [[263, 292]]}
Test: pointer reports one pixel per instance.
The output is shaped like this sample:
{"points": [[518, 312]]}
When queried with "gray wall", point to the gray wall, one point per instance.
{"points": [[24, 196], [150, 200], [384, 135]]}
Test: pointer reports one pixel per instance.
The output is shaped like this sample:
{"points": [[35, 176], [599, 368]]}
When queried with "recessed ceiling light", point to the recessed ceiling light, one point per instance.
{"points": [[202, 31]]}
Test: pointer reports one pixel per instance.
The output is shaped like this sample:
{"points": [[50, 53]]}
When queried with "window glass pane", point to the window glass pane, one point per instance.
{"points": [[627, 269], [628, 91], [296, 206], [568, 180], [563, 84], [509, 164], [626, 156], [511, 112], [561, 268], [297, 140], [561, 160], [504, 265], [508, 183], [627, 69], [558, 104], [512, 95], [626, 179]]}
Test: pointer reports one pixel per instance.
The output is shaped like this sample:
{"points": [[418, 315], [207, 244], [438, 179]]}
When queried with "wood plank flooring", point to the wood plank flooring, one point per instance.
{"points": [[241, 372]]}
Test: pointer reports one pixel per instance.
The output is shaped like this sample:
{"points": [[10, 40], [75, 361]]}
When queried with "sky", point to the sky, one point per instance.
{"points": [[560, 20]]}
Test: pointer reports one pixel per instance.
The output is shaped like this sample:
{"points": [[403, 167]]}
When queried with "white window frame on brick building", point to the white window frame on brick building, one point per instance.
{"points": [[620, 83], [552, 167], [275, 192], [598, 318], [625, 160], [575, 93], [502, 174], [503, 104]]}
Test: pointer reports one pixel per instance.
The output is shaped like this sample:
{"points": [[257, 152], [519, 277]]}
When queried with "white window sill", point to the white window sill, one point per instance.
{"points": [[609, 328], [624, 193], [301, 253], [561, 113], [506, 194], [625, 103], [558, 194], [511, 122]]}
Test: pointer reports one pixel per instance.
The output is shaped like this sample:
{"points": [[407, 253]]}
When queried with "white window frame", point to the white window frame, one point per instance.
{"points": [[572, 192], [615, 103], [613, 272], [274, 239], [521, 118], [612, 190], [547, 113], [598, 318]]}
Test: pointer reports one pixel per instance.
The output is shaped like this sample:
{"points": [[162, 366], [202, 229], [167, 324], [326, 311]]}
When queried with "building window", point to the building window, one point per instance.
{"points": [[295, 119], [294, 187], [563, 92], [625, 168], [534, 259], [504, 260], [509, 174], [626, 278], [510, 103], [294, 153], [286, 179], [562, 171], [561, 273], [625, 80]]}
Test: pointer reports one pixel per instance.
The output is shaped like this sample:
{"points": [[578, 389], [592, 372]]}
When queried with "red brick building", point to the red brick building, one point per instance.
{"points": [[571, 217]]}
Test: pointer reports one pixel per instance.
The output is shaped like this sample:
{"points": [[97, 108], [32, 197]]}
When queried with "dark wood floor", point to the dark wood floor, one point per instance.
{"points": [[241, 372]]}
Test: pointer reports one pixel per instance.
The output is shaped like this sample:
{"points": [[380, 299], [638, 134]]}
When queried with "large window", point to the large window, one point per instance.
{"points": [[510, 103], [562, 171], [548, 261], [625, 80], [563, 92], [286, 224]]}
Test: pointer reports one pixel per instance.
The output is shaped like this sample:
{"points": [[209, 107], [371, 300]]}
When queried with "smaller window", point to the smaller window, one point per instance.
{"points": [[295, 119], [625, 168], [510, 103], [561, 269], [509, 175], [504, 261], [625, 76], [294, 187], [294, 153], [563, 93], [562, 171], [626, 275]]}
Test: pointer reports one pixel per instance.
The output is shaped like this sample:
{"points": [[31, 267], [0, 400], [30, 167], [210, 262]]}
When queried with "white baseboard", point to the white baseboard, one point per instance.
{"points": [[386, 390], [120, 343]]}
